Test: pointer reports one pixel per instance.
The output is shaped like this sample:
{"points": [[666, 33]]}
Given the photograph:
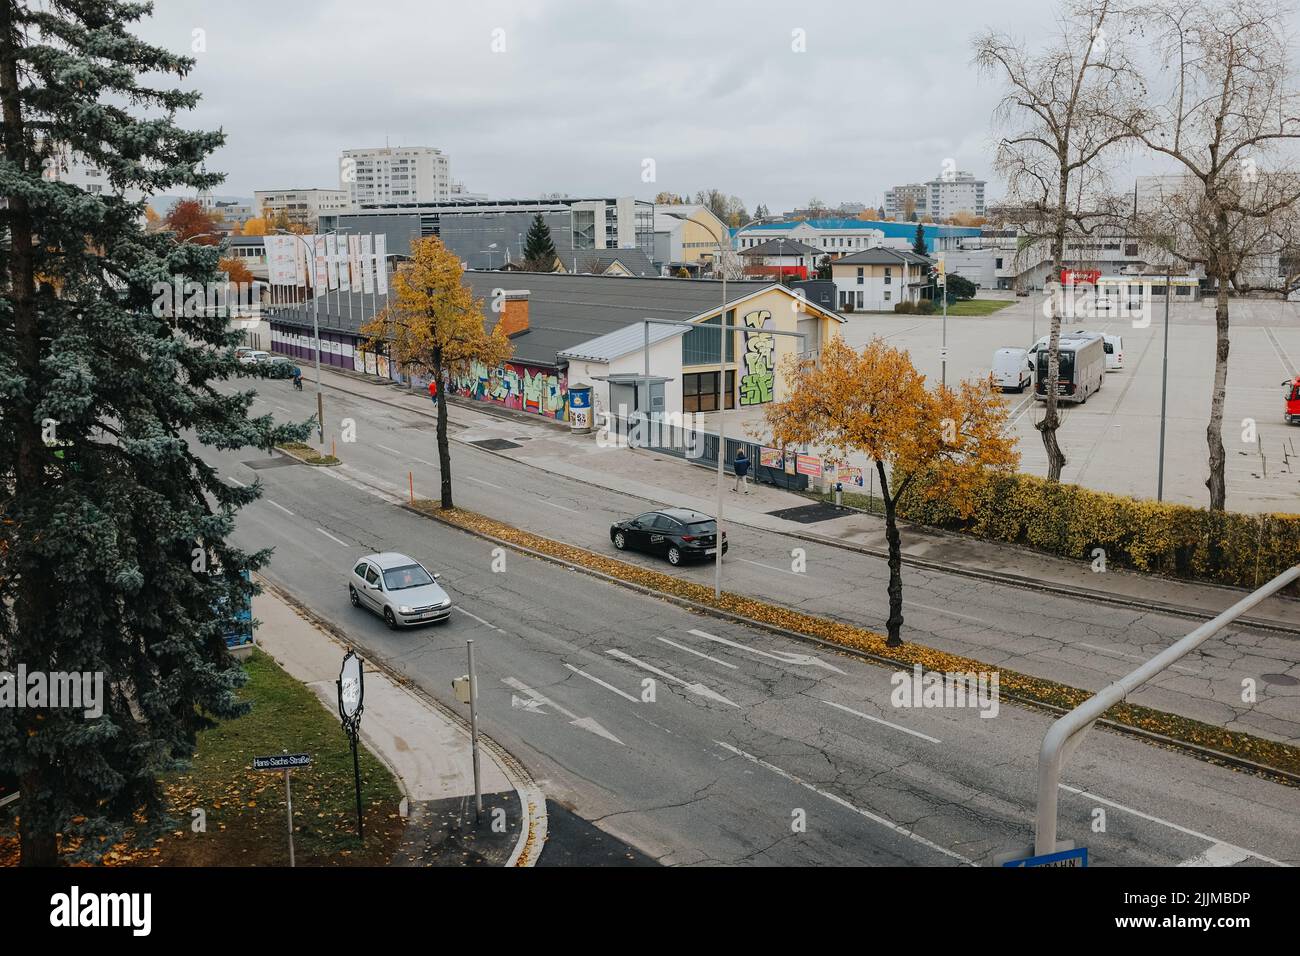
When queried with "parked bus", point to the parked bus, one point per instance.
{"points": [[1082, 367]]}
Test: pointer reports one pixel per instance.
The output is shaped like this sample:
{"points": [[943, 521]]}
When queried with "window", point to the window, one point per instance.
{"points": [[859, 303], [360, 569], [664, 523], [1182, 290], [887, 295], [372, 576], [844, 298], [861, 273], [889, 275], [997, 263], [700, 344], [700, 391]]}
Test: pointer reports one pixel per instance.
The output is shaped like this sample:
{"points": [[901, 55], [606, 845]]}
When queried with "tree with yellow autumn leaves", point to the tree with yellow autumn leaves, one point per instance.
{"points": [[435, 327], [876, 403]]}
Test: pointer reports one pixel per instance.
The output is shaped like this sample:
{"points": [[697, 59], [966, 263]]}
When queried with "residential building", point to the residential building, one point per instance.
{"points": [[302, 207], [940, 198], [73, 169], [840, 237], [779, 258], [395, 174], [687, 236], [876, 280], [487, 234]]}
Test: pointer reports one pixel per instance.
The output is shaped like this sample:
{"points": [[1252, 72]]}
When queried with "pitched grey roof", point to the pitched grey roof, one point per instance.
{"points": [[882, 256], [781, 247], [598, 260], [612, 345]]}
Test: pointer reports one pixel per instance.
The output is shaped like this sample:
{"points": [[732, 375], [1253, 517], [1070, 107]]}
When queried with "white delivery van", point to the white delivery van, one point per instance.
{"points": [[1114, 346], [1012, 369], [1081, 368]]}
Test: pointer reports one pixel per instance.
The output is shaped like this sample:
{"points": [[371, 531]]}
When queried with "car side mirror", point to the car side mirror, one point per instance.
{"points": [[437, 577]]}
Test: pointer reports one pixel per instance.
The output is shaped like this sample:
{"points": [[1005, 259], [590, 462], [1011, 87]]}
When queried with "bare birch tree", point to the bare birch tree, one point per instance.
{"points": [[1064, 107], [1226, 109]]}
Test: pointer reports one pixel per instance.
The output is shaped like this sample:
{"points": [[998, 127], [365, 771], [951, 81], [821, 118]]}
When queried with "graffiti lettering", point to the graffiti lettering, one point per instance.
{"points": [[522, 387], [757, 382]]}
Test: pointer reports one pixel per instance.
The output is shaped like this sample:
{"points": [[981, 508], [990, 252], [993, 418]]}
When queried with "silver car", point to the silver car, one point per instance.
{"points": [[398, 589]]}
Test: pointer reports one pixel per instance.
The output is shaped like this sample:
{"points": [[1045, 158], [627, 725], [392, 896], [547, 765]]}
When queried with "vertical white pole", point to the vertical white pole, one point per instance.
{"points": [[473, 728]]}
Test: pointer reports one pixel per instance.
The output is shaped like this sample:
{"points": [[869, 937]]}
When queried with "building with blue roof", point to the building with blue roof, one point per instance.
{"points": [[839, 237]]}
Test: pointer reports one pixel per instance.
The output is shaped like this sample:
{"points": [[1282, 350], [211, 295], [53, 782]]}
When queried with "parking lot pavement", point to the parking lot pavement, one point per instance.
{"points": [[1111, 443]]}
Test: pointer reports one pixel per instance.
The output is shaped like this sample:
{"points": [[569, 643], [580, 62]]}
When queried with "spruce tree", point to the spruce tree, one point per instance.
{"points": [[114, 556], [539, 250], [918, 244]]}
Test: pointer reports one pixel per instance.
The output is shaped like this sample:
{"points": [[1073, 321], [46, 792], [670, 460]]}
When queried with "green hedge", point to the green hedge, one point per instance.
{"points": [[1070, 521]]}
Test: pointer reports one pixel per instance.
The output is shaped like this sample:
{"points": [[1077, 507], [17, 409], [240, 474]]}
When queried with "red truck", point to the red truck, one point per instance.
{"points": [[1291, 401]]}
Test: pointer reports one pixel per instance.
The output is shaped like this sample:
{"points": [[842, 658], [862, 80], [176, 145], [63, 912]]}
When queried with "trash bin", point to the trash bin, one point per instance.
{"points": [[580, 409]]}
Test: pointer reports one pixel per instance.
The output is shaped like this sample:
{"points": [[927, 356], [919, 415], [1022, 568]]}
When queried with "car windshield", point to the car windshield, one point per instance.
{"points": [[410, 576], [702, 527]]}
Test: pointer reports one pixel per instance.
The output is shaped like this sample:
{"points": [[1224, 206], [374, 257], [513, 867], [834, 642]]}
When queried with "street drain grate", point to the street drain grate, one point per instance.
{"points": [[496, 444], [279, 461], [808, 514], [1281, 680]]}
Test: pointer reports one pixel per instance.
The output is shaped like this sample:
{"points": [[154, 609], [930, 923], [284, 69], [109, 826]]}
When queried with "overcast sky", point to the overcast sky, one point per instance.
{"points": [[585, 90]]}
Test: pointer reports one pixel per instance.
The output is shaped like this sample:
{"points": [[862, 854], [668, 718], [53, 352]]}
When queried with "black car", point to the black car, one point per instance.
{"points": [[678, 534]]}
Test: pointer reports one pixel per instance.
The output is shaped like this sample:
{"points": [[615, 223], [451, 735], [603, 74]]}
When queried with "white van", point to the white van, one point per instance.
{"points": [[1114, 346], [1081, 368], [1012, 369]]}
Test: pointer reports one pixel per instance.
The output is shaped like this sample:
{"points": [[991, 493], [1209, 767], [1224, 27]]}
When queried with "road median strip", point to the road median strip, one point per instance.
{"points": [[1278, 760]]}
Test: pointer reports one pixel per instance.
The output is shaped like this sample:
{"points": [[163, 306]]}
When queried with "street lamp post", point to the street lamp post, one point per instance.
{"points": [[1164, 388], [315, 323]]}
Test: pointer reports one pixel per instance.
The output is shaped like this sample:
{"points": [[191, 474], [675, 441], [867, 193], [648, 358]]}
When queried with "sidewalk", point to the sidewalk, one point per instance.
{"points": [[427, 751], [662, 479]]}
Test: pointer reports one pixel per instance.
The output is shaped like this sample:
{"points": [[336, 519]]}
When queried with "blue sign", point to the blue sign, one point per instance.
{"points": [[1066, 858], [580, 397]]}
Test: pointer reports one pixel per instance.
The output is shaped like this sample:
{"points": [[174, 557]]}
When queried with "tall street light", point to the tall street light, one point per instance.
{"points": [[315, 324]]}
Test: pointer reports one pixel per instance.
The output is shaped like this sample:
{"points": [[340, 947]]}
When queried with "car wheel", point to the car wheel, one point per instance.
{"points": [[619, 541], [352, 596], [389, 619], [674, 556]]}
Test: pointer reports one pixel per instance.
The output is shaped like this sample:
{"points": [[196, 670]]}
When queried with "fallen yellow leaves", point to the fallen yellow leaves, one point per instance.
{"points": [[1014, 685]]}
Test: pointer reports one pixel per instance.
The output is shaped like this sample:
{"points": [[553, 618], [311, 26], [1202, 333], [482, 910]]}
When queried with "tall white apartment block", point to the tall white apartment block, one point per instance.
{"points": [[954, 192], [395, 174]]}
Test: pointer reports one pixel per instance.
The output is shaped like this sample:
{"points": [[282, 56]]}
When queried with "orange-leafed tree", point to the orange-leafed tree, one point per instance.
{"points": [[876, 403], [191, 223], [255, 227], [435, 327], [235, 271]]}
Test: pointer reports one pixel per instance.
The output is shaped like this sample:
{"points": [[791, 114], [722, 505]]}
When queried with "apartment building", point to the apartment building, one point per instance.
{"points": [[876, 280], [301, 206], [940, 198], [395, 174]]}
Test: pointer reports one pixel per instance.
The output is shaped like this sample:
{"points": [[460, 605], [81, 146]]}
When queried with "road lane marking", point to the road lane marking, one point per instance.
{"points": [[236, 482], [457, 607], [939, 610], [482, 482], [423, 462], [901, 830], [332, 538], [770, 567], [692, 687], [785, 657], [1136, 657], [1221, 854], [391, 451], [588, 724], [1173, 826], [561, 507], [691, 650], [857, 713], [281, 507], [596, 680]]}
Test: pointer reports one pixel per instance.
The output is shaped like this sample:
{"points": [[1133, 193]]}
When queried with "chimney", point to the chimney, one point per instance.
{"points": [[514, 311]]}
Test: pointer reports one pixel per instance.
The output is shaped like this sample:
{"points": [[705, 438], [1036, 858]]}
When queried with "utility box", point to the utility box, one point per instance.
{"points": [[461, 685]]}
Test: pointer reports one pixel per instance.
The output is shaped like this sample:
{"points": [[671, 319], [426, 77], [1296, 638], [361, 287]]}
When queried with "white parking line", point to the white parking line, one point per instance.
{"points": [[857, 713], [1173, 826], [561, 507], [902, 831], [281, 507], [332, 538], [691, 650], [759, 564], [692, 687], [457, 607], [596, 680]]}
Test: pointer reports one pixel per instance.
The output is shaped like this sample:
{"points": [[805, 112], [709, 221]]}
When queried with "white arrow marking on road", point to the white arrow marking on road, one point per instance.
{"points": [[688, 686], [785, 657], [596, 680], [691, 650], [541, 700], [855, 713], [1221, 854], [532, 706], [844, 803]]}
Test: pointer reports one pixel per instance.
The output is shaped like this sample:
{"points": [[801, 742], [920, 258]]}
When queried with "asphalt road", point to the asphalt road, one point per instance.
{"points": [[1075, 641], [755, 748]]}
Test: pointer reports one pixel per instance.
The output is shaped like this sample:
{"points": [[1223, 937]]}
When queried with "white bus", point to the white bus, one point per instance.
{"points": [[1082, 367]]}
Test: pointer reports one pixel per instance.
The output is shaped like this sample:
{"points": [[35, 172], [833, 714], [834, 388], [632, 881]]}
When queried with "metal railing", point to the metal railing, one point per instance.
{"points": [[1064, 736]]}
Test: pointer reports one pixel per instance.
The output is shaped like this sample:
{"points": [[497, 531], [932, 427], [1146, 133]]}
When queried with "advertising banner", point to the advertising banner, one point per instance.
{"points": [[367, 264], [381, 263], [332, 260]]}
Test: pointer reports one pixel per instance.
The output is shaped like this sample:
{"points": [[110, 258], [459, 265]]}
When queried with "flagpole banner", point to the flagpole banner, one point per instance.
{"points": [[367, 265], [318, 258], [279, 260], [354, 261], [381, 263], [345, 279], [332, 260], [300, 248]]}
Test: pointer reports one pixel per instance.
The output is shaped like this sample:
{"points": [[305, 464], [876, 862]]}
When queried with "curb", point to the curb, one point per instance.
{"points": [[1203, 753], [1010, 580], [532, 800]]}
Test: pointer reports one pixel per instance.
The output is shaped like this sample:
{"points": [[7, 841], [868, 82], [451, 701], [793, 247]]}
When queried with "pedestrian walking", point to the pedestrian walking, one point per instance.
{"points": [[741, 467], [433, 391]]}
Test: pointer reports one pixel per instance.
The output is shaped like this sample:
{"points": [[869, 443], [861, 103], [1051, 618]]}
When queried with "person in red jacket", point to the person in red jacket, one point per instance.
{"points": [[433, 391]]}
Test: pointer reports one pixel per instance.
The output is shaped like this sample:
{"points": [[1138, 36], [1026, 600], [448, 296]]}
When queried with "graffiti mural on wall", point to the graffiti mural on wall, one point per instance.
{"points": [[757, 382], [524, 387]]}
